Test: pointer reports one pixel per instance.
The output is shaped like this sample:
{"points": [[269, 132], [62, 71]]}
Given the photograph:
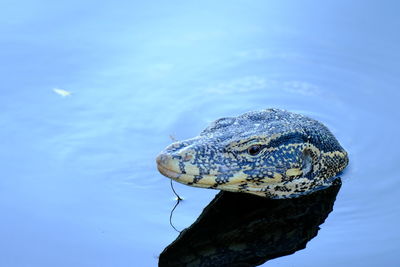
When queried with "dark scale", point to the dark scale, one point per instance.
{"points": [[197, 178], [281, 188], [223, 178], [182, 167], [243, 186]]}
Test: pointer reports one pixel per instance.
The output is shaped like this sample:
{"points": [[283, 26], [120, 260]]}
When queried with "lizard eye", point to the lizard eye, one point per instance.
{"points": [[254, 150]]}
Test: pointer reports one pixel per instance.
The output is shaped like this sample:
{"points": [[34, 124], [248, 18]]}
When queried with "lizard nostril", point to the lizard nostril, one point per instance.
{"points": [[162, 159]]}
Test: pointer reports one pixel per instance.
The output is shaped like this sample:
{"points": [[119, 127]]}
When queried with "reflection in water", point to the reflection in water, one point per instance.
{"points": [[238, 229]]}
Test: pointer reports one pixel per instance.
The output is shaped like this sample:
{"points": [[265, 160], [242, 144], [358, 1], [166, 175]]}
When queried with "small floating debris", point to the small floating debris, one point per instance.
{"points": [[61, 92]]}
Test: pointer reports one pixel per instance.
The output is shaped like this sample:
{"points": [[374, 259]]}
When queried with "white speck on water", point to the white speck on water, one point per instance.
{"points": [[61, 92]]}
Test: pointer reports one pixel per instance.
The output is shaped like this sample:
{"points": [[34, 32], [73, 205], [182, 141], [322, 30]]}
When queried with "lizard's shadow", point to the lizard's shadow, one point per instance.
{"points": [[238, 229]]}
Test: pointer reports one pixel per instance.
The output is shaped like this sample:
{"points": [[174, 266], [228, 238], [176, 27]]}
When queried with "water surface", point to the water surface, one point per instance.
{"points": [[79, 185]]}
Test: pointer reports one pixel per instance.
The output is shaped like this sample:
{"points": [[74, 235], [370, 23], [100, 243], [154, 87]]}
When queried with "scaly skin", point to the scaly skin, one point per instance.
{"points": [[271, 153]]}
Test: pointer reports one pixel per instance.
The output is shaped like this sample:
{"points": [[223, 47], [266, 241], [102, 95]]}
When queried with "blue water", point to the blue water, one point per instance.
{"points": [[79, 186]]}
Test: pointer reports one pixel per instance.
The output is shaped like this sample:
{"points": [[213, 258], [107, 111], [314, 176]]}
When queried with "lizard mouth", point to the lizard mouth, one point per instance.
{"points": [[187, 178], [168, 172], [230, 180], [190, 176], [206, 180]]}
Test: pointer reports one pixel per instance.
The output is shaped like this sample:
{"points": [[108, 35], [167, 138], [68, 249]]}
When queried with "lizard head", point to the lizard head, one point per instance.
{"points": [[267, 153]]}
